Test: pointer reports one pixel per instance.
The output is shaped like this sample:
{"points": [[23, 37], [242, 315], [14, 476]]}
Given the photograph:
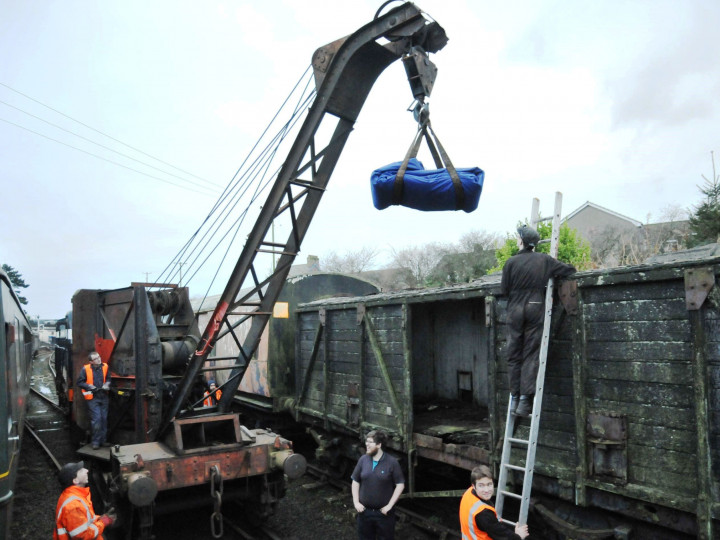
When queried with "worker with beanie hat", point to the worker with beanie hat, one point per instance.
{"points": [[524, 278], [75, 517], [212, 395]]}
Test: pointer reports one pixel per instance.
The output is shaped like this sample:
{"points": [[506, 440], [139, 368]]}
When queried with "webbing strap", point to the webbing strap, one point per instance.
{"points": [[411, 153], [441, 158], [459, 191]]}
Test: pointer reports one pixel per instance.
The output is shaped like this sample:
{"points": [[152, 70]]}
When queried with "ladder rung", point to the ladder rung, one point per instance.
{"points": [[511, 494], [515, 467], [518, 441], [513, 523], [272, 244]]}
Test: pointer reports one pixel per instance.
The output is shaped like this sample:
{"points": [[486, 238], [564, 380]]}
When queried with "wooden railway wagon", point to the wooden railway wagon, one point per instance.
{"points": [[629, 443]]}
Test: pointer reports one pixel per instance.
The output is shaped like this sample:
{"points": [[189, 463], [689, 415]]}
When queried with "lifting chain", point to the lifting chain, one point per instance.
{"points": [[216, 491]]}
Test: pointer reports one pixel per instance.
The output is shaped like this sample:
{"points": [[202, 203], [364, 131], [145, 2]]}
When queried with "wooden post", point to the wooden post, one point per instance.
{"points": [[579, 363]]}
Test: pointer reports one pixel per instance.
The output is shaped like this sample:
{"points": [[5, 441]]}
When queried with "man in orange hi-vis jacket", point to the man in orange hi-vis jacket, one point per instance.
{"points": [[75, 517]]}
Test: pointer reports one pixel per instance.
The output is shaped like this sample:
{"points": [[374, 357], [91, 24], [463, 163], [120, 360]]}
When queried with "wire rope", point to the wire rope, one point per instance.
{"points": [[219, 228]]}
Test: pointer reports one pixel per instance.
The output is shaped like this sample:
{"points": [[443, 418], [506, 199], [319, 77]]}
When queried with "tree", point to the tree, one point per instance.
{"points": [[352, 262], [469, 259], [705, 220], [17, 281], [477, 240], [416, 263], [572, 248]]}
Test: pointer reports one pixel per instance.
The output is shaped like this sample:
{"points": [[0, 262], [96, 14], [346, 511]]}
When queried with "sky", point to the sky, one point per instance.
{"points": [[122, 121]]}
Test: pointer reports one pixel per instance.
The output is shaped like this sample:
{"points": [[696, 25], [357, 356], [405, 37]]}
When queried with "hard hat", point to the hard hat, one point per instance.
{"points": [[528, 235]]}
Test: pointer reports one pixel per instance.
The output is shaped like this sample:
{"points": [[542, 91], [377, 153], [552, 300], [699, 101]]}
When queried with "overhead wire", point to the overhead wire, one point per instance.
{"points": [[104, 134], [105, 159], [106, 147]]}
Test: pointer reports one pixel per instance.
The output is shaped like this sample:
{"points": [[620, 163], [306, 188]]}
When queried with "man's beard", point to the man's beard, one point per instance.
{"points": [[373, 452]]}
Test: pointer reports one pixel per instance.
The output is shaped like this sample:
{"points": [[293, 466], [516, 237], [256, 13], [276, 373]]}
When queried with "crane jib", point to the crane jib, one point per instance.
{"points": [[345, 71]]}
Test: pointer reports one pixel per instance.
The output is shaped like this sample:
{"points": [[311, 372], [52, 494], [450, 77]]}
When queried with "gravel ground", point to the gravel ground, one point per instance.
{"points": [[325, 512], [37, 489], [308, 511]]}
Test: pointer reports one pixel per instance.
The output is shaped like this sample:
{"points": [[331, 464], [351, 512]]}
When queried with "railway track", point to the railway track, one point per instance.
{"points": [[47, 445], [417, 513]]}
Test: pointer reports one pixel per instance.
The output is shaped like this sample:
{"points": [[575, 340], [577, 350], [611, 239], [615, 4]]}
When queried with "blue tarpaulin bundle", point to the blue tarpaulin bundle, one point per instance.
{"points": [[426, 189], [408, 183]]}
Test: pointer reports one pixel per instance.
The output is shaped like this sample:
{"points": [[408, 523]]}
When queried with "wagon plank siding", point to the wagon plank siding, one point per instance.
{"points": [[621, 384], [644, 310], [712, 335], [629, 331]]}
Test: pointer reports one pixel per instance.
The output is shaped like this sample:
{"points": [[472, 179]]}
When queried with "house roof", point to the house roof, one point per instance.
{"points": [[589, 204]]}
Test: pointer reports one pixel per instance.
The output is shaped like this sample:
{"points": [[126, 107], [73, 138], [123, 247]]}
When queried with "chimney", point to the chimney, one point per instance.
{"points": [[313, 262]]}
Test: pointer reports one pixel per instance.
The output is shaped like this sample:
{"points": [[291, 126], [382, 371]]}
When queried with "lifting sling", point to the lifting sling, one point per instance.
{"points": [[409, 184]]}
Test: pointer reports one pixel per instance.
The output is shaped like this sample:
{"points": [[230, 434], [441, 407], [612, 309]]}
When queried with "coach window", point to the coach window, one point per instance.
{"points": [[19, 347]]}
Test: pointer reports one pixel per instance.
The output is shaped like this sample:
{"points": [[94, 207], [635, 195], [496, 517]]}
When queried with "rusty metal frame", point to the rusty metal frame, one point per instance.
{"points": [[698, 283], [568, 294]]}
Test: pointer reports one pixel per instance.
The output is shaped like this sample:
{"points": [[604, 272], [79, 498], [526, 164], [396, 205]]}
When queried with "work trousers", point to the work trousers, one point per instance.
{"points": [[98, 407], [525, 327], [374, 525]]}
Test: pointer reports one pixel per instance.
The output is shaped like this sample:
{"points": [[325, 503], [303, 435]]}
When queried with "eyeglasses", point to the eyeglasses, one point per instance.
{"points": [[370, 441]]}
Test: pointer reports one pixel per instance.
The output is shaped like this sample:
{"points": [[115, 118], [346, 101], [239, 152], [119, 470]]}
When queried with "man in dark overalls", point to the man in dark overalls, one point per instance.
{"points": [[524, 279]]}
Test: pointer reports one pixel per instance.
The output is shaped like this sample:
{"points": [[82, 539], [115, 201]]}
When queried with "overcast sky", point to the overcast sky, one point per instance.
{"points": [[613, 102]]}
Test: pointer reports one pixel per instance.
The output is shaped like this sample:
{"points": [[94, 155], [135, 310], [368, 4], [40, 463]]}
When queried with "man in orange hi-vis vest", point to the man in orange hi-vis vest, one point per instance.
{"points": [[95, 384], [74, 516], [212, 396], [478, 518]]}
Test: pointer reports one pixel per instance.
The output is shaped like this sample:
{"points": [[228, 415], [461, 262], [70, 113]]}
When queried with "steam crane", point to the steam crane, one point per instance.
{"points": [[345, 71], [166, 450]]}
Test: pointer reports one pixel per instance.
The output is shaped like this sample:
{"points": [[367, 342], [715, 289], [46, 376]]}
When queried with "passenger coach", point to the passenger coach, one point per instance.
{"points": [[16, 350]]}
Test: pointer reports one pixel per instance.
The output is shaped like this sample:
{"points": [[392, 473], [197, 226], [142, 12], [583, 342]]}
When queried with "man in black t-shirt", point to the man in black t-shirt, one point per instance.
{"points": [[377, 483]]}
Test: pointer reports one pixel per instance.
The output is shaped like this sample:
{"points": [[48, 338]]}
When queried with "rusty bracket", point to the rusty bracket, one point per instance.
{"points": [[568, 291], [360, 313], [698, 283], [489, 311]]}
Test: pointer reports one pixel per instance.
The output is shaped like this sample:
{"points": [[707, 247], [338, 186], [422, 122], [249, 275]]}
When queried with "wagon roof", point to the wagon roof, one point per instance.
{"points": [[662, 269]]}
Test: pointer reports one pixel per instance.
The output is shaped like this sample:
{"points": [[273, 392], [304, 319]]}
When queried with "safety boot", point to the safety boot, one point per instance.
{"points": [[514, 400], [524, 408]]}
